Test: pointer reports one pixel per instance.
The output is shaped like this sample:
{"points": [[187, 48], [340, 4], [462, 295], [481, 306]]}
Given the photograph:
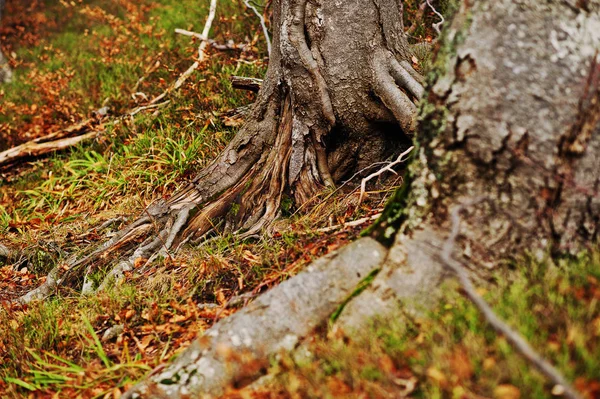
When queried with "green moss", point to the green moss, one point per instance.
{"points": [[234, 209], [385, 227], [362, 285]]}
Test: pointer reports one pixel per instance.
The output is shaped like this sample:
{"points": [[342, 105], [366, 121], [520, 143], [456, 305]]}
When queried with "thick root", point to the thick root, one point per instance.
{"points": [[236, 350]]}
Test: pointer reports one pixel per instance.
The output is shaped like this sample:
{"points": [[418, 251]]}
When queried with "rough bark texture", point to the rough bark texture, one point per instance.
{"points": [[512, 123], [512, 120], [339, 76], [522, 106], [5, 71]]}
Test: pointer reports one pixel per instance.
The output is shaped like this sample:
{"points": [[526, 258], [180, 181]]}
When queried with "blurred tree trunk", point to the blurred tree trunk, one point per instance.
{"points": [[5, 71], [509, 131]]}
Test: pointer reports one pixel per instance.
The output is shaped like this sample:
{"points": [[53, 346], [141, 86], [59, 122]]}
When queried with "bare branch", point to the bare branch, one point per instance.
{"points": [[261, 18], [353, 223], [31, 148], [386, 168], [201, 53], [436, 26], [513, 337], [251, 84], [190, 33]]}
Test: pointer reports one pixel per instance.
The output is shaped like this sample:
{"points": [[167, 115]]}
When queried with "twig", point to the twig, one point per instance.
{"points": [[353, 223], [417, 19], [137, 110], [386, 168], [442, 20], [251, 84], [261, 18], [201, 53], [190, 33], [513, 337]]}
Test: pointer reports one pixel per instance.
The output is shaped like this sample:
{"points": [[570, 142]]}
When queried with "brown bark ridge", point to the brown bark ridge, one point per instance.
{"points": [[338, 77], [511, 126]]}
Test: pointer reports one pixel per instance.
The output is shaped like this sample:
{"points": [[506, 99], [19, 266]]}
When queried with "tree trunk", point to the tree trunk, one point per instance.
{"points": [[510, 131], [339, 76], [5, 71]]}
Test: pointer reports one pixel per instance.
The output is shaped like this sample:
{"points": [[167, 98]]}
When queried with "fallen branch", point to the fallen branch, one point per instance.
{"points": [[353, 223], [243, 83], [230, 45], [513, 337], [386, 168], [34, 147], [190, 34], [31, 148]]}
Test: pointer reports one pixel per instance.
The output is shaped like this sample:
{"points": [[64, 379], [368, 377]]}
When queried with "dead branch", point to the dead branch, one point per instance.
{"points": [[353, 223], [261, 18], [34, 147], [436, 26], [31, 148], [190, 34], [386, 168], [513, 337], [243, 83], [201, 54]]}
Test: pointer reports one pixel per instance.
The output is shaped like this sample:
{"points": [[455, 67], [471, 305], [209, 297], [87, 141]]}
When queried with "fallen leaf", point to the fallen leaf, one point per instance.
{"points": [[461, 365], [507, 391]]}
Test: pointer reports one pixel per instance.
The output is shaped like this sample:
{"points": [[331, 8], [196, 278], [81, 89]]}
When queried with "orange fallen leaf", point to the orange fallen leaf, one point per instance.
{"points": [[507, 391]]}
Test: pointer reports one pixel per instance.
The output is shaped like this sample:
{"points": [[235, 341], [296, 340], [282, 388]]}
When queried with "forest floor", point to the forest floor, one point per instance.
{"points": [[73, 58]]}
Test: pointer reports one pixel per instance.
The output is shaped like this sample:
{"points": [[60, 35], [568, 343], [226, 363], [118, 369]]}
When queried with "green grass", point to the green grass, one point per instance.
{"points": [[143, 158], [54, 347], [450, 351]]}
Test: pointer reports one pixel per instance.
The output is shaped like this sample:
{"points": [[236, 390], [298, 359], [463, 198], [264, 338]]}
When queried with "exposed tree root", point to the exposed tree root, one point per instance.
{"points": [[280, 150], [236, 350]]}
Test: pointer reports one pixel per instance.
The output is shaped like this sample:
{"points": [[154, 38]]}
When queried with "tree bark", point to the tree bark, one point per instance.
{"points": [[511, 127], [323, 98]]}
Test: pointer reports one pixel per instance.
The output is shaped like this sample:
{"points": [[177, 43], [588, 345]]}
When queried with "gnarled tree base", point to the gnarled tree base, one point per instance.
{"points": [[320, 103]]}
